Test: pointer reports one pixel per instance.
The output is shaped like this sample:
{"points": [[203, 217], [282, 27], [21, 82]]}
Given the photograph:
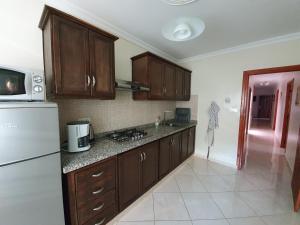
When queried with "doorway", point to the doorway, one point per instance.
{"points": [[243, 127]]}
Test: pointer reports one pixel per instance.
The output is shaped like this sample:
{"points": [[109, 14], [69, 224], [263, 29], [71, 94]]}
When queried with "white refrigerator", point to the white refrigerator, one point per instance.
{"points": [[30, 168]]}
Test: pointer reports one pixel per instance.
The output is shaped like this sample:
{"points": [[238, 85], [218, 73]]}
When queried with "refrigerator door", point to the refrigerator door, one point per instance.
{"points": [[27, 131], [31, 192]]}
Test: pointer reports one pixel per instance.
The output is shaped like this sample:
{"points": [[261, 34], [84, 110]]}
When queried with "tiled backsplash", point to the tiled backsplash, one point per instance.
{"points": [[113, 114], [193, 104]]}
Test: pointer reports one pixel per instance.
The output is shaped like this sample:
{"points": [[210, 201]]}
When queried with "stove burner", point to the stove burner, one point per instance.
{"points": [[127, 135]]}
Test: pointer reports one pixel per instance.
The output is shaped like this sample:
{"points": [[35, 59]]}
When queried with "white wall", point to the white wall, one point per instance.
{"points": [[218, 77]]}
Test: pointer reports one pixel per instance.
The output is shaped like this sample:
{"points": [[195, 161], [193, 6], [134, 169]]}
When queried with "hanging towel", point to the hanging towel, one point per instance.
{"points": [[213, 123]]}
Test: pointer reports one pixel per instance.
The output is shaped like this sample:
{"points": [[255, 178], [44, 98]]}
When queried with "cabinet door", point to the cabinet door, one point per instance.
{"points": [[184, 145], [102, 66], [169, 82], [156, 70], [129, 167], [150, 165], [164, 156], [71, 58], [187, 85], [191, 144], [176, 150], [179, 84]]}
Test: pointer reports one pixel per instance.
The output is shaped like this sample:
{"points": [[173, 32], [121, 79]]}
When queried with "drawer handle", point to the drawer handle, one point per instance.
{"points": [[97, 174], [98, 208], [101, 222], [98, 191]]}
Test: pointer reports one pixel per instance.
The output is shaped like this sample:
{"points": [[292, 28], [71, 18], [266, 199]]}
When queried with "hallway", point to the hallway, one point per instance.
{"points": [[202, 192]]}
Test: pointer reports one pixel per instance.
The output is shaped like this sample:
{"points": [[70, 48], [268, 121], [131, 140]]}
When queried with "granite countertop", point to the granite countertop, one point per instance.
{"points": [[104, 148]]}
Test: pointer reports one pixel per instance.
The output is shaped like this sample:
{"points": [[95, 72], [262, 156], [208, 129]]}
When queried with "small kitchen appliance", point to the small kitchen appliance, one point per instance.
{"points": [[182, 115], [21, 85], [78, 136]]}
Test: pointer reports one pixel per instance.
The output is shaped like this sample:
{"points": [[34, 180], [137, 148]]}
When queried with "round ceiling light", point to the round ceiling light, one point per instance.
{"points": [[183, 29], [178, 2]]}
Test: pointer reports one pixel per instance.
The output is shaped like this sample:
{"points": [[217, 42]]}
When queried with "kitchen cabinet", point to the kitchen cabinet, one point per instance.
{"points": [[184, 144], [187, 86], [138, 171], [169, 154], [166, 80], [90, 195], [165, 163], [176, 150], [191, 141], [78, 57]]}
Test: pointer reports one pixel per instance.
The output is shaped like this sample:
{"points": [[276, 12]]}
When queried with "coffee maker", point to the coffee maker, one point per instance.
{"points": [[78, 136]]}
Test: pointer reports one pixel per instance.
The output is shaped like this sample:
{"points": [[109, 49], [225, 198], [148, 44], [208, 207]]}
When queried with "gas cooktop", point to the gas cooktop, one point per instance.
{"points": [[127, 135]]}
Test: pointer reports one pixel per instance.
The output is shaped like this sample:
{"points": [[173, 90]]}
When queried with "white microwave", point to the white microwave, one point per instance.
{"points": [[21, 85]]}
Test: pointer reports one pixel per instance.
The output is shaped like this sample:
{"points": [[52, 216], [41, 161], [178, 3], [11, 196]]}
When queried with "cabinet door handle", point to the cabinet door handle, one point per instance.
{"points": [[145, 155], [97, 174], [88, 80], [98, 191], [98, 208], [142, 158], [101, 222], [94, 81]]}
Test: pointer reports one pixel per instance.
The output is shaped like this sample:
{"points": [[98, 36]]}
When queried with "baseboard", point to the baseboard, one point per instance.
{"points": [[215, 159]]}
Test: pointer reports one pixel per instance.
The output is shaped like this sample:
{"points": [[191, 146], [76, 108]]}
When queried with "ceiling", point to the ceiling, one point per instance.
{"points": [[229, 23]]}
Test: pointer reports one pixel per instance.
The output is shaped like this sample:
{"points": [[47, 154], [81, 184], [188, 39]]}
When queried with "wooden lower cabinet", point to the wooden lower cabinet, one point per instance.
{"points": [[169, 154], [138, 171], [96, 193], [90, 195]]}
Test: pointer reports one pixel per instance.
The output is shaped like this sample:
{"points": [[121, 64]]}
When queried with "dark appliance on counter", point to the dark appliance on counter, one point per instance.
{"points": [[127, 135], [182, 115]]}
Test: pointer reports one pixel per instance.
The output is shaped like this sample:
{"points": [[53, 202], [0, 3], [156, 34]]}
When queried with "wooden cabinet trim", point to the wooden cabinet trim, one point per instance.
{"points": [[48, 10]]}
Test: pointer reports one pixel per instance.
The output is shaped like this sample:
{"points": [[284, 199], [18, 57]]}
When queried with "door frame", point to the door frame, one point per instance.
{"points": [[287, 112], [275, 109], [241, 153]]}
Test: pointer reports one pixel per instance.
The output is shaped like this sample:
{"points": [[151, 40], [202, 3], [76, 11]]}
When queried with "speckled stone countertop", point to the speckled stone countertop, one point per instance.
{"points": [[104, 148]]}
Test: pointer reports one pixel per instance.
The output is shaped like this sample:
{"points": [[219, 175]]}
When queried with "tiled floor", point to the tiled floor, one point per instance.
{"points": [[201, 192]]}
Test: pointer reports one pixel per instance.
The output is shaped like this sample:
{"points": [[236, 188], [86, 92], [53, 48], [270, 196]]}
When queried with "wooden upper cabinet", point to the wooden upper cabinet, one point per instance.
{"points": [[156, 81], [78, 57], [179, 84], [170, 82], [70, 56], [102, 65], [165, 79], [187, 86]]}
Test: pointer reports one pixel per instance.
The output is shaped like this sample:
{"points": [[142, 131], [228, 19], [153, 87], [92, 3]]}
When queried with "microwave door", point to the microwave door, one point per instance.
{"points": [[14, 85]]}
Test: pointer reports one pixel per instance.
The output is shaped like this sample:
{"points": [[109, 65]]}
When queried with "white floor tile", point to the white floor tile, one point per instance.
{"points": [[190, 184], [246, 221], [136, 223], [265, 204], [215, 184], [173, 223], [168, 185], [283, 219], [169, 206], [239, 183], [232, 205], [210, 222], [223, 170], [201, 206], [140, 211]]}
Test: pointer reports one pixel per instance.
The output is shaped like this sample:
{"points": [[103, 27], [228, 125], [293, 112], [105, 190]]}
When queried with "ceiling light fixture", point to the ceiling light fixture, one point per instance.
{"points": [[178, 2], [183, 29]]}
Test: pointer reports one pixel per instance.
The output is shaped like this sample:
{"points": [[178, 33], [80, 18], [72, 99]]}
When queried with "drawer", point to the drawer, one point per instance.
{"points": [[96, 206], [102, 218], [97, 173]]}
